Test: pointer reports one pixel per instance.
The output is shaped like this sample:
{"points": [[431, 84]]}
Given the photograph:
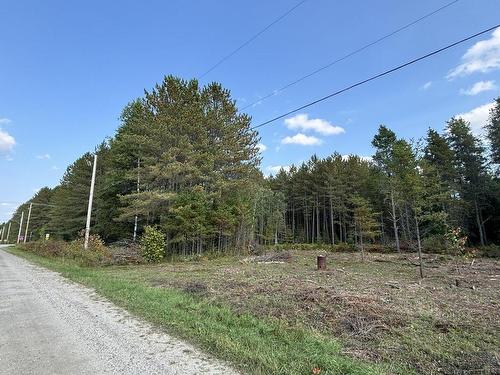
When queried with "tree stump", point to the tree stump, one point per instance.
{"points": [[321, 262]]}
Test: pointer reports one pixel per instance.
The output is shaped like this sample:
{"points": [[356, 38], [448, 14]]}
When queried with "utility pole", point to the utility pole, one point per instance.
{"points": [[28, 222], [8, 232], [89, 210], [20, 227], [136, 218]]}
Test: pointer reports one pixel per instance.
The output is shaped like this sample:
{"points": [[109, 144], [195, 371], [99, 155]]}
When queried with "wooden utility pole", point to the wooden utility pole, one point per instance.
{"points": [[27, 223], [20, 227], [89, 209], [136, 216], [8, 232]]}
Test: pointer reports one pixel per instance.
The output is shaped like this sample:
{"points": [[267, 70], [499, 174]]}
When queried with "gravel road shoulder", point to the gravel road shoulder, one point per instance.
{"points": [[50, 325]]}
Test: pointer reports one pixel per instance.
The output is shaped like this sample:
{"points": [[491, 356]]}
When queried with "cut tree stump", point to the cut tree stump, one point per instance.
{"points": [[321, 262]]}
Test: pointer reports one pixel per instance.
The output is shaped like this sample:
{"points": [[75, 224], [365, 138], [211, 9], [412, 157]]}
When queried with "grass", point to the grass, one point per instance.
{"points": [[356, 317], [379, 309], [255, 345]]}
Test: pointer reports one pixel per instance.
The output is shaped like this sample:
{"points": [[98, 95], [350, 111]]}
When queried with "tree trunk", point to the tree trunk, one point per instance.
{"points": [[306, 222], [394, 222], [407, 214], [419, 247], [325, 223], [382, 229], [313, 229], [318, 236], [219, 241], [485, 238], [362, 246], [479, 224], [340, 227], [331, 221]]}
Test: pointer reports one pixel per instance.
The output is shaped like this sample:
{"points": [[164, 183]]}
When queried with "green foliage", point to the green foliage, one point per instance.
{"points": [[493, 133], [198, 158], [186, 161], [95, 255], [153, 244], [51, 248], [364, 218], [455, 240], [341, 247], [70, 200], [490, 251]]}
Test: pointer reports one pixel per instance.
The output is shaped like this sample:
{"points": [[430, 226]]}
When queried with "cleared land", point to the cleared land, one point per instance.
{"points": [[278, 314]]}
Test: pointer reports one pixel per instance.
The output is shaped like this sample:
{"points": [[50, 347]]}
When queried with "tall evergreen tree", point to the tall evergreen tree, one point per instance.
{"points": [[190, 141], [470, 167], [384, 142], [493, 133]]}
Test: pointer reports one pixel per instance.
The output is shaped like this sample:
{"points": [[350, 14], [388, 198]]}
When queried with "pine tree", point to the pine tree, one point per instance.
{"points": [[470, 167], [384, 142], [364, 220], [190, 142], [493, 133]]}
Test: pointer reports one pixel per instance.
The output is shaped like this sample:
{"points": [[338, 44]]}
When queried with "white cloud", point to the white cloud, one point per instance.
{"points": [[484, 56], [274, 169], [304, 123], [426, 85], [478, 117], [262, 147], [479, 87], [7, 142], [5, 121], [302, 139], [43, 156], [54, 168]]}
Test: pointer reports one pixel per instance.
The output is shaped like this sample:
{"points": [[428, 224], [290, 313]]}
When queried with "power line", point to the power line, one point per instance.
{"points": [[352, 53], [252, 38], [377, 76]]}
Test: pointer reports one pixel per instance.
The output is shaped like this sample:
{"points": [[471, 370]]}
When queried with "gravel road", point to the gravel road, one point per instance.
{"points": [[49, 325]]}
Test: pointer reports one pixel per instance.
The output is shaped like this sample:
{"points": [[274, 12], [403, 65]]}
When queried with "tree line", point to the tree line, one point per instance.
{"points": [[185, 160]]}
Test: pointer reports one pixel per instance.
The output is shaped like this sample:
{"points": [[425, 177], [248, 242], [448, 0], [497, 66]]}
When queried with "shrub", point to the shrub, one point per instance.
{"points": [[435, 244], [338, 247], [96, 253], [378, 248], [343, 247], [455, 240], [125, 252], [490, 251], [452, 242], [50, 248], [152, 244]]}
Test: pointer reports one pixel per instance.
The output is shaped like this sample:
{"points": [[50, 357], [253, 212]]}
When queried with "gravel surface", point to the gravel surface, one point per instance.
{"points": [[49, 325]]}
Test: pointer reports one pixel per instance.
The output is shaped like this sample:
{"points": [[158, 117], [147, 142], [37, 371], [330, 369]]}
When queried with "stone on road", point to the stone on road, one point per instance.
{"points": [[49, 325]]}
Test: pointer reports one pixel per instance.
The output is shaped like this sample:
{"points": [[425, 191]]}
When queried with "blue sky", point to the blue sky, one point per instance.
{"points": [[68, 68]]}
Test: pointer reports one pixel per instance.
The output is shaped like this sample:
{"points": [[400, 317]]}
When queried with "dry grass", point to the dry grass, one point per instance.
{"points": [[445, 323]]}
